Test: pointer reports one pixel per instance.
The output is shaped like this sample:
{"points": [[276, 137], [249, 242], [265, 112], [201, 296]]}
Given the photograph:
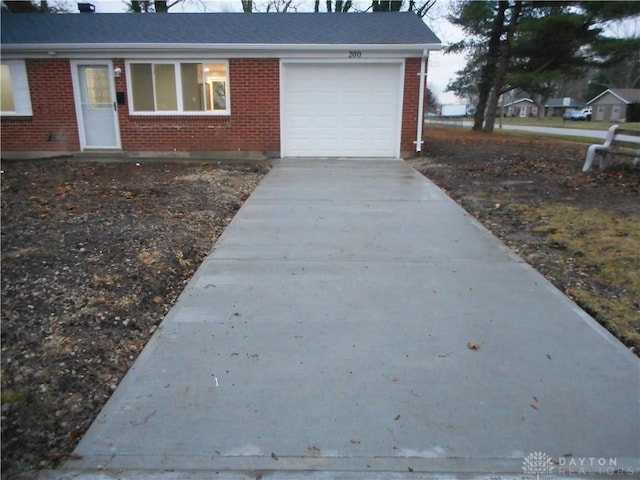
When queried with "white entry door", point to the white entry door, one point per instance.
{"points": [[96, 105], [341, 109]]}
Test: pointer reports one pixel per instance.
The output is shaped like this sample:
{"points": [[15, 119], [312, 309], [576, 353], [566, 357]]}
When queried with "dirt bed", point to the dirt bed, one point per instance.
{"points": [[93, 257]]}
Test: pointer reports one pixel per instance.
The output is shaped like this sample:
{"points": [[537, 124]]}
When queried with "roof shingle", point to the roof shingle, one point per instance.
{"points": [[216, 28]]}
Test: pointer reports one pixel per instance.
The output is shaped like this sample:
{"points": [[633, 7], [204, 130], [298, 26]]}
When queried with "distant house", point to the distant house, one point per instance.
{"points": [[611, 105], [555, 107], [229, 84], [523, 107]]}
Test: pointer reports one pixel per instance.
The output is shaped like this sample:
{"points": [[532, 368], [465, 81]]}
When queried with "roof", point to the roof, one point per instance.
{"points": [[275, 29], [520, 100], [565, 102], [626, 95]]}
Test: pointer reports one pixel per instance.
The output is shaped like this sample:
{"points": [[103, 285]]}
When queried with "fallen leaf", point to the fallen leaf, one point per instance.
{"points": [[473, 346], [354, 441], [313, 450], [397, 417], [274, 456], [535, 407]]}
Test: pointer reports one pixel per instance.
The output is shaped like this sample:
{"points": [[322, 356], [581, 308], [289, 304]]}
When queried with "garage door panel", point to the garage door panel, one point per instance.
{"points": [[341, 109]]}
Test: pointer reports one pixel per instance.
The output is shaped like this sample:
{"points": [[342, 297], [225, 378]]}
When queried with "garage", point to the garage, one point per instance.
{"points": [[341, 109]]}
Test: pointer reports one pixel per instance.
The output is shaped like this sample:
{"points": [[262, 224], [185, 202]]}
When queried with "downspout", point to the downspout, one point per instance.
{"points": [[422, 75]]}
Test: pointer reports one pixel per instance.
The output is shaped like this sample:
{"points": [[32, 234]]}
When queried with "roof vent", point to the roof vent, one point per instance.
{"points": [[86, 7]]}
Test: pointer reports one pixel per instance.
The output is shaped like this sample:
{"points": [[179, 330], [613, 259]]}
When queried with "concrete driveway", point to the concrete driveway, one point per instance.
{"points": [[354, 322]]}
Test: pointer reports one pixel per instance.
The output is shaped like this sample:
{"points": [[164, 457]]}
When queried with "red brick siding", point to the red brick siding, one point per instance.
{"points": [[254, 123], [53, 126], [410, 104]]}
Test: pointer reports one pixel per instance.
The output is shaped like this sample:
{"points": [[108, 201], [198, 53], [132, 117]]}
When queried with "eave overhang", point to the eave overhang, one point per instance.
{"points": [[196, 50]]}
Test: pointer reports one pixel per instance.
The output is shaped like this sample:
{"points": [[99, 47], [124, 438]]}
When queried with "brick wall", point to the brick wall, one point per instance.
{"points": [[410, 105], [254, 123], [53, 126]]}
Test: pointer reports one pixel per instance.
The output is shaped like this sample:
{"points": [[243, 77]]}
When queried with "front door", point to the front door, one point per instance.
{"points": [[96, 105]]}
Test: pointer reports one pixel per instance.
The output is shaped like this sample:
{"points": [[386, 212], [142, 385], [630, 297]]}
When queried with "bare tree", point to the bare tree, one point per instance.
{"points": [[422, 9], [42, 6], [280, 6], [149, 6]]}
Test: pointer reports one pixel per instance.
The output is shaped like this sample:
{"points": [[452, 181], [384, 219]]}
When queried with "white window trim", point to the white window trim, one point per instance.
{"points": [[20, 89], [180, 112]]}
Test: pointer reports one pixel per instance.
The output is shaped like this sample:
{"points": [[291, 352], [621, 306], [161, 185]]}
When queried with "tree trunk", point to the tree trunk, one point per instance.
{"points": [[161, 6], [540, 100], [329, 6], [489, 68], [247, 6], [501, 68], [316, 6]]}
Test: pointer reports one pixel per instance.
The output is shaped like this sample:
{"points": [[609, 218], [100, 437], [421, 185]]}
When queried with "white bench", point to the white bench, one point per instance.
{"points": [[614, 145]]}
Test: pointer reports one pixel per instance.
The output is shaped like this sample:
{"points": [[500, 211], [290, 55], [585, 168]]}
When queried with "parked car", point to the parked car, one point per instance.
{"points": [[577, 114]]}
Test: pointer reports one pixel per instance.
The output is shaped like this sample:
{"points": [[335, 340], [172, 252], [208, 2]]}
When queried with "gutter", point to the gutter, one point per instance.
{"points": [[422, 75], [87, 48]]}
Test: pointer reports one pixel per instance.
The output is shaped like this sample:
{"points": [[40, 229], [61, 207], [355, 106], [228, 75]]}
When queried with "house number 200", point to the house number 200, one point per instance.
{"points": [[355, 54]]}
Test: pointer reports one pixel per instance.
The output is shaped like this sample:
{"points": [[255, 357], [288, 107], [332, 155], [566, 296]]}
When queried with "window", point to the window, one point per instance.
{"points": [[14, 89], [98, 88], [183, 88]]}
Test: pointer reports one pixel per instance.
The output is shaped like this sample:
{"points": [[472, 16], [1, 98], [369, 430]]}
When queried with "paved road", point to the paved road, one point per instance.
{"points": [[567, 131], [354, 322]]}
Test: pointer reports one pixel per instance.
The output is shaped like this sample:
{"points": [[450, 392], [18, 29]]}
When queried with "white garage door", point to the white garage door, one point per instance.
{"points": [[341, 110]]}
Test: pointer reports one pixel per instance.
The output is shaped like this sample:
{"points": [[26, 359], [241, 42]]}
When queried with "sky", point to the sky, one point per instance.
{"points": [[442, 67]]}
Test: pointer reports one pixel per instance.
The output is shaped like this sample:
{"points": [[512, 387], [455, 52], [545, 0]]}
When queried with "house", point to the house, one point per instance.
{"points": [[555, 107], [523, 107], [611, 105], [221, 85]]}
